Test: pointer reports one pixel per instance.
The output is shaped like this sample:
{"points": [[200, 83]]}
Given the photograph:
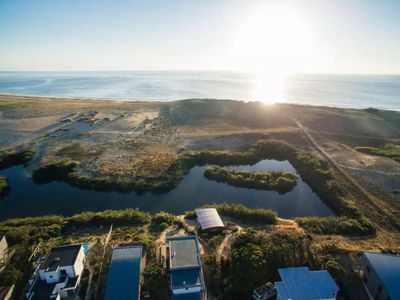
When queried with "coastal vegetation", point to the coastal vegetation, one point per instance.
{"points": [[336, 225], [313, 170], [25, 234], [255, 258], [389, 150], [154, 280], [162, 220], [280, 181], [242, 213], [12, 158], [4, 187]]}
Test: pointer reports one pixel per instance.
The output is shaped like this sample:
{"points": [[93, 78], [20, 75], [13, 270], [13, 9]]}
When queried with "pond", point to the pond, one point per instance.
{"points": [[29, 199]]}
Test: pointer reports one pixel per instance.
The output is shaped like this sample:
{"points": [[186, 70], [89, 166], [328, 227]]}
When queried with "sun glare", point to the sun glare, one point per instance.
{"points": [[271, 43]]}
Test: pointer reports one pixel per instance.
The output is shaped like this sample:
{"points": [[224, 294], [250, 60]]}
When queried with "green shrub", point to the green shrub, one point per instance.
{"points": [[13, 158], [335, 268], [130, 216], [388, 150], [9, 276], [280, 181], [154, 281], [4, 187], [162, 220], [254, 260], [336, 225]]}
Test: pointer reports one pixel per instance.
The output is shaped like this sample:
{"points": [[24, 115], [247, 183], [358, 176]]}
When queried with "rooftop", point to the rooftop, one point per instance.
{"points": [[303, 284], [61, 256], [183, 252], [387, 266], [124, 274], [191, 296], [42, 290], [209, 218], [186, 277]]}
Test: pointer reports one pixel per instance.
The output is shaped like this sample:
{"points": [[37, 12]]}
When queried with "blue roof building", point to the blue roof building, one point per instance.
{"points": [[123, 280], [185, 272], [303, 284], [381, 275]]}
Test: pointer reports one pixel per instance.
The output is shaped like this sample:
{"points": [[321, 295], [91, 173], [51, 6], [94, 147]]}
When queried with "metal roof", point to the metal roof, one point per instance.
{"points": [[61, 256], [387, 266], [209, 218], [123, 277], [303, 284], [183, 252]]}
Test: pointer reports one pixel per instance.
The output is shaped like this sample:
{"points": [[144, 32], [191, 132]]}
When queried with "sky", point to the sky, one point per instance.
{"points": [[317, 36]]}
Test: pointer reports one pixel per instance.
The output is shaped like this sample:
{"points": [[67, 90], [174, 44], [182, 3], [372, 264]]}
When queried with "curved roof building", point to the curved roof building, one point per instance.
{"points": [[208, 218]]}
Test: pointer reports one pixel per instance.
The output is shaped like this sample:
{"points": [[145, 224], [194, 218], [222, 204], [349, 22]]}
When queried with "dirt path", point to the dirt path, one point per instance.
{"points": [[368, 199], [89, 286], [369, 171], [225, 243]]}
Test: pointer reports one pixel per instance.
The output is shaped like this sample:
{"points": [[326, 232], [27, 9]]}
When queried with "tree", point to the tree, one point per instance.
{"points": [[154, 281]]}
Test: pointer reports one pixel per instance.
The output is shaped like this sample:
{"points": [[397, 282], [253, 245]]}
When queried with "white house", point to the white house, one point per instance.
{"points": [[59, 275]]}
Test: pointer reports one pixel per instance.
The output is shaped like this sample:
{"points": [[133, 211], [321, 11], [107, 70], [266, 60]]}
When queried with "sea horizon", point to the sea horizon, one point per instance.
{"points": [[358, 91]]}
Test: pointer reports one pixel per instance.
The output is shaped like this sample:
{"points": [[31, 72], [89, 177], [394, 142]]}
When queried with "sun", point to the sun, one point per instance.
{"points": [[272, 42]]}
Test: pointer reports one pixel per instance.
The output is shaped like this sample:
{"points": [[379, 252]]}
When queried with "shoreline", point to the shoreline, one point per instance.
{"points": [[155, 101]]}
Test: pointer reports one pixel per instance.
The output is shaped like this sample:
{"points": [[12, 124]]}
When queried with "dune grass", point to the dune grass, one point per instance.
{"points": [[389, 150]]}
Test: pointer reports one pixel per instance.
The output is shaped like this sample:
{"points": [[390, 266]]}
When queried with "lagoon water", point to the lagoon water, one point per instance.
{"points": [[28, 199], [353, 91]]}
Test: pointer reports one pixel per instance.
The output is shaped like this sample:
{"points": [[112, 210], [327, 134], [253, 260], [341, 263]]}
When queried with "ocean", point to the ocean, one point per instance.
{"points": [[349, 91]]}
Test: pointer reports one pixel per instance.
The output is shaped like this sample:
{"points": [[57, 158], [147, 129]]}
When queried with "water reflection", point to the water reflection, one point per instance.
{"points": [[28, 199]]}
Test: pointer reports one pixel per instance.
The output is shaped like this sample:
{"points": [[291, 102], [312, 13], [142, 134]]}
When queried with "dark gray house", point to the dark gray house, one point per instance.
{"points": [[381, 275]]}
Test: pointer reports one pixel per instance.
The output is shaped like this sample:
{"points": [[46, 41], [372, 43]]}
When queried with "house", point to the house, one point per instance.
{"points": [[3, 251], [265, 292], [185, 271], [123, 279], [58, 275], [209, 219], [303, 284], [381, 275]]}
